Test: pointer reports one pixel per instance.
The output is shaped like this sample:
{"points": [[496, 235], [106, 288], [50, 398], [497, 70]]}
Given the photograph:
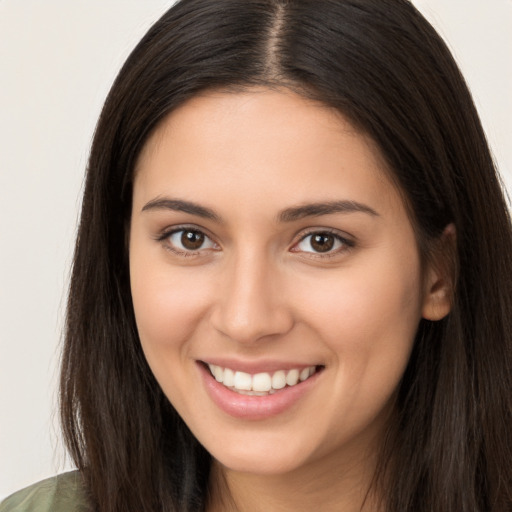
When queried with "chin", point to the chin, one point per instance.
{"points": [[263, 454], [256, 464]]}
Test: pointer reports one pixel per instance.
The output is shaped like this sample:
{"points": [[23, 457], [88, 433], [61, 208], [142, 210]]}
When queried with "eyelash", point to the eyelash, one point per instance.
{"points": [[345, 243]]}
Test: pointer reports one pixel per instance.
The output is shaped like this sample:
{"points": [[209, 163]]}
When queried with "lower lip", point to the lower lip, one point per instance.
{"points": [[250, 407]]}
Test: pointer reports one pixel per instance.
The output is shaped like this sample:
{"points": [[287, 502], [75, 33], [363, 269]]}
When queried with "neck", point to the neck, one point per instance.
{"points": [[319, 486]]}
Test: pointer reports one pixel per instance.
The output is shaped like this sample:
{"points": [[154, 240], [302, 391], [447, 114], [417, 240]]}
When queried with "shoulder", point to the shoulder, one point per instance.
{"points": [[62, 493]]}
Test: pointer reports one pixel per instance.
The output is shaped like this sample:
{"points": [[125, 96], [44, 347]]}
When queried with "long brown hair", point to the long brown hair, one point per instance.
{"points": [[381, 64]]}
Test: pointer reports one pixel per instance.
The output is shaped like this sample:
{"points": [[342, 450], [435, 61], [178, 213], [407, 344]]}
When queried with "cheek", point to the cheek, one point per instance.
{"points": [[168, 314], [368, 318], [369, 325], [168, 308], [380, 300]]}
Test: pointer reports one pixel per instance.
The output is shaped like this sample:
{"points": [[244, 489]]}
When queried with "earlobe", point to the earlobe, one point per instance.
{"points": [[437, 304], [440, 277]]}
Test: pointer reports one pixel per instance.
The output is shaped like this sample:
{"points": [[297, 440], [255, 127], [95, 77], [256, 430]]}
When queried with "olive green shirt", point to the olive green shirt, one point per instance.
{"points": [[62, 493]]}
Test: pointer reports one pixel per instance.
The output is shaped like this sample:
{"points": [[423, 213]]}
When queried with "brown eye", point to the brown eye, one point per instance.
{"points": [[189, 240], [322, 242], [192, 240]]}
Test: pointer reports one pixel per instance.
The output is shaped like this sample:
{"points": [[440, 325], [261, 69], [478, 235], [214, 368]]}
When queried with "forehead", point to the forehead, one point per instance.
{"points": [[261, 144]]}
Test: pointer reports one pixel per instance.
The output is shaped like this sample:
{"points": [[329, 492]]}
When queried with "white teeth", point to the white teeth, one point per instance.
{"points": [[292, 378], [279, 380], [229, 377], [218, 374], [260, 384], [304, 374], [243, 381]]}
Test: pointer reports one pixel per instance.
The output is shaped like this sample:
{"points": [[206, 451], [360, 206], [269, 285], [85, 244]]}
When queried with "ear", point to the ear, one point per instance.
{"points": [[440, 277]]}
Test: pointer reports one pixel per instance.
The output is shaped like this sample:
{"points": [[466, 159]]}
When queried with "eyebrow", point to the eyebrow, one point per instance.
{"points": [[318, 209], [287, 215], [179, 205]]}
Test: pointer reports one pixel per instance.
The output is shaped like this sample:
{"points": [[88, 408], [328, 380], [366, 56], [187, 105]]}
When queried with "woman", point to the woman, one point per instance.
{"points": [[291, 284]]}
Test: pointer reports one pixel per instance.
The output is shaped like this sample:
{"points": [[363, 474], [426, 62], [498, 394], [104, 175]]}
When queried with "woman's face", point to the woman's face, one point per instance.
{"points": [[269, 247]]}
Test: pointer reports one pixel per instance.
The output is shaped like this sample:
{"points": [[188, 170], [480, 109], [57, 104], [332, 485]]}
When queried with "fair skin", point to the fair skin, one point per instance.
{"points": [[229, 269]]}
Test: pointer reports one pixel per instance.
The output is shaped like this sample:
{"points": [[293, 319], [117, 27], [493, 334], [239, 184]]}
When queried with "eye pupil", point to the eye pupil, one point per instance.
{"points": [[192, 240], [322, 242]]}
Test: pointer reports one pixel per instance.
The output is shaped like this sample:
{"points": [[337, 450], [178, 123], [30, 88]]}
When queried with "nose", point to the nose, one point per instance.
{"points": [[251, 303]]}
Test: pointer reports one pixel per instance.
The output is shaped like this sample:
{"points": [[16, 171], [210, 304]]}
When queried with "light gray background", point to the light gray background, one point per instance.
{"points": [[57, 61]]}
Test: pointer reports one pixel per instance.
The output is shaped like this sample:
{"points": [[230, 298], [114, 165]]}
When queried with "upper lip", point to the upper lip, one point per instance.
{"points": [[254, 367]]}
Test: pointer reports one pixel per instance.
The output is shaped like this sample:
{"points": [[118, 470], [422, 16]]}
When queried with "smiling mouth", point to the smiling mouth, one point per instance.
{"points": [[261, 384]]}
